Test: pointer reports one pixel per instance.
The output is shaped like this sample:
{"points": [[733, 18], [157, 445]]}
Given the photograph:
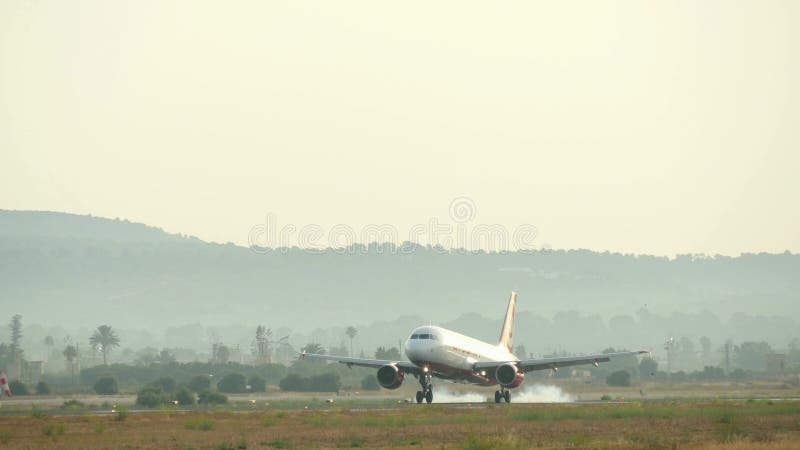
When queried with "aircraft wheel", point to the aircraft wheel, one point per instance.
{"points": [[419, 396], [507, 396], [429, 396], [497, 396]]}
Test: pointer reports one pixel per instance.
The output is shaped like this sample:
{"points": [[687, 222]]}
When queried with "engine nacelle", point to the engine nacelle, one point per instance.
{"points": [[390, 376], [509, 375]]}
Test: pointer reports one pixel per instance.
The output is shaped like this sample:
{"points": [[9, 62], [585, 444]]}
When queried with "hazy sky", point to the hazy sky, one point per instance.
{"points": [[655, 127]]}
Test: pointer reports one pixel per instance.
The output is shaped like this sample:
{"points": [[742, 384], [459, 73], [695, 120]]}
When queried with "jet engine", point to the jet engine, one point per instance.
{"points": [[390, 376], [509, 375]]}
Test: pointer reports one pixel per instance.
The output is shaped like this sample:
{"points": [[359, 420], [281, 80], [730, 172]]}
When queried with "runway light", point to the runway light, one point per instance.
{"points": [[483, 373]]}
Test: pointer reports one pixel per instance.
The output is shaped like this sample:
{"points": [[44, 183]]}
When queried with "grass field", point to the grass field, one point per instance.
{"points": [[685, 424]]}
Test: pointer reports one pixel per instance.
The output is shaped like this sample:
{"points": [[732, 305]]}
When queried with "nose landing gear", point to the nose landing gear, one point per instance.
{"points": [[502, 394], [427, 390]]}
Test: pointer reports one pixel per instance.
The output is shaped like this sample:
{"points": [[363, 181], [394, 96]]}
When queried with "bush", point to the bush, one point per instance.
{"points": [[152, 397], [42, 388], [619, 378], [370, 383], [73, 404], [166, 384], [18, 388], [257, 384], [212, 398], [200, 383], [184, 396], [232, 383], [106, 386], [326, 382]]}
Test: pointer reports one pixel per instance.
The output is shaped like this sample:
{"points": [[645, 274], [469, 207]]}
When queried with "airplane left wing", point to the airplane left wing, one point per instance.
{"points": [[528, 365], [407, 366]]}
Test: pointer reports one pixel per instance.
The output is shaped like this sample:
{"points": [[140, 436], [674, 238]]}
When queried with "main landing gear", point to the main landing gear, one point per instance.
{"points": [[502, 394], [427, 390]]}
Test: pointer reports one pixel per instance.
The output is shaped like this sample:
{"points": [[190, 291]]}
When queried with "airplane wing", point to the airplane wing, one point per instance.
{"points": [[528, 365], [407, 366]]}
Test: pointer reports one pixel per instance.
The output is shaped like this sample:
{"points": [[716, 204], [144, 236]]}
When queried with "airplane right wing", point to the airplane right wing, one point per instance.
{"points": [[528, 365], [407, 366]]}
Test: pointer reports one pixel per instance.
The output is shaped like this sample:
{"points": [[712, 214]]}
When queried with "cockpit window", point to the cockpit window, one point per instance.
{"points": [[427, 336], [414, 336]]}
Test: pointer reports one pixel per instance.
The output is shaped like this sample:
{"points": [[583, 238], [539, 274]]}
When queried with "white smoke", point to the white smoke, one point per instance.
{"points": [[443, 395], [536, 393], [541, 393]]}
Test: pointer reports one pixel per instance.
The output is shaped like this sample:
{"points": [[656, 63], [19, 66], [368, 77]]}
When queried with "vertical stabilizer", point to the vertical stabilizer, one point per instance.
{"points": [[507, 333]]}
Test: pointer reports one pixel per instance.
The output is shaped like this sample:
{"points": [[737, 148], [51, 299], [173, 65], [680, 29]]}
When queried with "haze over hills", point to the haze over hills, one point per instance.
{"points": [[58, 268]]}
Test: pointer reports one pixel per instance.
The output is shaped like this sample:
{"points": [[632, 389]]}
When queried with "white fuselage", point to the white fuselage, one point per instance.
{"points": [[452, 355]]}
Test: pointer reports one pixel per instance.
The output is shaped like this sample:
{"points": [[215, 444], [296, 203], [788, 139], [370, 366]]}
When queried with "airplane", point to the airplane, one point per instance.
{"points": [[438, 352]]}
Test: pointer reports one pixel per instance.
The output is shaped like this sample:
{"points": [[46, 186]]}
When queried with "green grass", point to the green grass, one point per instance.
{"points": [[659, 411], [277, 443], [202, 424]]}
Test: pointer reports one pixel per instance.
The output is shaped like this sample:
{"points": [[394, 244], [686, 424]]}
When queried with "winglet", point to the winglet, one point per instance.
{"points": [[507, 332]]}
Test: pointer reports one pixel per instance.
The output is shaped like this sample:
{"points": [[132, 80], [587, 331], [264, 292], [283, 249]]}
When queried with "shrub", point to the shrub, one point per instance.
{"points": [[212, 398], [73, 404], [326, 382], [619, 378], [199, 383], [42, 388], [166, 384], [232, 383], [18, 388], [106, 386], [184, 396], [257, 384], [370, 383], [152, 397]]}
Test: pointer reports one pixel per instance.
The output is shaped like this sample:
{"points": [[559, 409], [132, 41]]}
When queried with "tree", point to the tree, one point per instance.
{"points": [[313, 348], [392, 354], [152, 397], [199, 383], [212, 398], [49, 342], [351, 332], [647, 367], [42, 388], [165, 357], [257, 384], [261, 346], [71, 354], [370, 383], [705, 344], [220, 353], [184, 396], [16, 336], [104, 339], [233, 383], [106, 386], [619, 378], [751, 355], [166, 384]]}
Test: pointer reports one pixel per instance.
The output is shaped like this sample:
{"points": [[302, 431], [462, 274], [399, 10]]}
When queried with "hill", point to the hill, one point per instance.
{"points": [[83, 270]]}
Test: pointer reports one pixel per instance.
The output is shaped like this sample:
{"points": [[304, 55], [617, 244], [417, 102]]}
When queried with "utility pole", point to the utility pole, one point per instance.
{"points": [[668, 346]]}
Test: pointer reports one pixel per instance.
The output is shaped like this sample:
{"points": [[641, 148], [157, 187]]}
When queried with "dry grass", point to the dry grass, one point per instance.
{"points": [[728, 425]]}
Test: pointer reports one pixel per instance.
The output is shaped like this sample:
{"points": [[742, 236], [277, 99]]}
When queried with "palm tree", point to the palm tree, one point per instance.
{"points": [[70, 353], [313, 348], [49, 342], [105, 339], [351, 332]]}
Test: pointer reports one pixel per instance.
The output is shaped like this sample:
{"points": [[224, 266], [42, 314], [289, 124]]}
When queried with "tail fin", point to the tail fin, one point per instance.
{"points": [[507, 333]]}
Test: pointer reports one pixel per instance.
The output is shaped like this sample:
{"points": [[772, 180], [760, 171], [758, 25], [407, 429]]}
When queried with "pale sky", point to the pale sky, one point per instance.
{"points": [[635, 126]]}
